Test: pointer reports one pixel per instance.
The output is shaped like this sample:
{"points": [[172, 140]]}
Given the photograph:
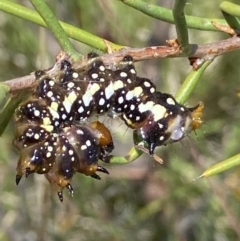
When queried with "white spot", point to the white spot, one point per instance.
{"points": [[48, 154], [88, 143], [64, 148], [80, 110], [70, 152], [130, 116], [44, 169], [182, 109], [123, 74], [170, 101], [147, 84], [133, 71], [50, 148], [161, 138], [64, 116], [37, 113], [102, 79], [137, 118], [49, 94], [94, 75], [73, 159], [160, 125], [152, 90], [129, 81], [80, 132], [36, 136], [108, 105], [132, 107], [75, 75], [70, 85], [51, 83], [101, 101], [102, 68], [83, 147], [120, 100]]}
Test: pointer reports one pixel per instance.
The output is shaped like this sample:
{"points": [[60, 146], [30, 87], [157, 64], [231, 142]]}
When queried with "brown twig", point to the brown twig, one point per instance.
{"points": [[139, 54]]}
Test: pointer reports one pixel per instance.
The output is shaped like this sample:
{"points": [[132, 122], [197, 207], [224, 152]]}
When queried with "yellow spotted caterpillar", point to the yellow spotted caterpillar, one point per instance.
{"points": [[53, 133]]}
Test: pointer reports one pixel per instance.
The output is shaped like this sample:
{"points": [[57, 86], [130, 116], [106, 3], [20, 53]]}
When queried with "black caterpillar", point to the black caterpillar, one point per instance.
{"points": [[52, 130]]}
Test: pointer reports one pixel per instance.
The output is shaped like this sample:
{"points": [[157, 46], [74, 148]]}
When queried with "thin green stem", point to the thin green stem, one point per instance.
{"points": [[190, 82], [166, 15], [73, 32], [8, 110], [231, 12], [132, 155], [57, 30], [181, 25]]}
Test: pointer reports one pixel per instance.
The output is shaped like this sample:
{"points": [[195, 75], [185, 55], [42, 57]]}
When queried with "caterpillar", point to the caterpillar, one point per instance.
{"points": [[53, 133]]}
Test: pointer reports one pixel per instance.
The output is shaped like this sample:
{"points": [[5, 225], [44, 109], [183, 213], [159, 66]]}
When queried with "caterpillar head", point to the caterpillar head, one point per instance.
{"points": [[169, 122]]}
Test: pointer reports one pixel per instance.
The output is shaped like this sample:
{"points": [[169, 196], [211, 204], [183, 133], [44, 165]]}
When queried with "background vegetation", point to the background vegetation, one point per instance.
{"points": [[142, 200]]}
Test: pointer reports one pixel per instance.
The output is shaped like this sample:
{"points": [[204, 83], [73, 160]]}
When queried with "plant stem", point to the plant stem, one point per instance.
{"points": [[181, 25], [53, 24], [230, 12], [166, 15], [190, 82], [73, 32]]}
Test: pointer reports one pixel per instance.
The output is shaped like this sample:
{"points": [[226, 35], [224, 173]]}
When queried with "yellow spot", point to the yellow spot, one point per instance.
{"points": [[46, 121], [118, 85], [138, 91], [67, 105], [72, 97], [145, 107], [54, 113], [54, 106], [94, 88], [159, 112], [48, 128]]}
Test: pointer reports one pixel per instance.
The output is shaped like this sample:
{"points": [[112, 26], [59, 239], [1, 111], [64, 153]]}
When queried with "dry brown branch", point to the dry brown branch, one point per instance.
{"points": [[205, 51]]}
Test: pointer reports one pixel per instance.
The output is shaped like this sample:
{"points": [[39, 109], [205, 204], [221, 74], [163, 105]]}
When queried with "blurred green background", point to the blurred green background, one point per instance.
{"points": [[143, 200]]}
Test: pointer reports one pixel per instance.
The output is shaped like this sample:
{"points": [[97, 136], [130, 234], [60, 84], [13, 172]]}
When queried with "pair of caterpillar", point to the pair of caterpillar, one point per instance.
{"points": [[55, 138]]}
